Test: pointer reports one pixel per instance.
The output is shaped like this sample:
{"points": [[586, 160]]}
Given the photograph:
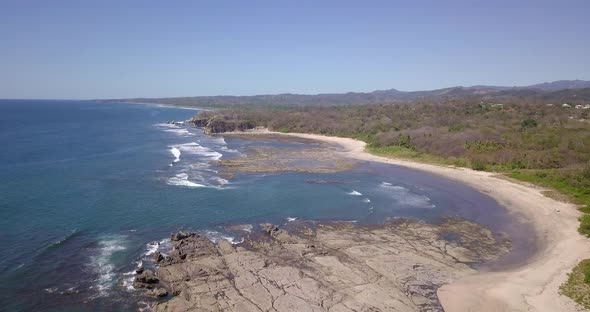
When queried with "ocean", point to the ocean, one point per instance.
{"points": [[90, 190]]}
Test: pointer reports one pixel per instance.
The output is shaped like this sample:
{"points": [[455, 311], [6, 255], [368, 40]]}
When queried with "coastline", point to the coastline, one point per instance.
{"points": [[533, 286]]}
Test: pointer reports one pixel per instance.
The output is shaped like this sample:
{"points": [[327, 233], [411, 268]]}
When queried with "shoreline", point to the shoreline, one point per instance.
{"points": [[533, 286]]}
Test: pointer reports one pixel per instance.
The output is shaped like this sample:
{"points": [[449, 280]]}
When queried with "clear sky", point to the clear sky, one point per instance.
{"points": [[113, 49]]}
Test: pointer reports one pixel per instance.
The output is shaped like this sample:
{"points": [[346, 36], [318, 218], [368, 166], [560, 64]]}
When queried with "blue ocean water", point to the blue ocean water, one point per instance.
{"points": [[86, 187]]}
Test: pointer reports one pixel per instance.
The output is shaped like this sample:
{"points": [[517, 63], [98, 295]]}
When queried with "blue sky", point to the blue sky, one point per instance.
{"points": [[113, 49]]}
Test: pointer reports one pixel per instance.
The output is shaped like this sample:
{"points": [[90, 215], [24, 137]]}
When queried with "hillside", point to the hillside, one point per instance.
{"points": [[571, 91]]}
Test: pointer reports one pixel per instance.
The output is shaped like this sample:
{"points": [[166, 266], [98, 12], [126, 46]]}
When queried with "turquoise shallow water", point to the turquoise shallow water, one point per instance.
{"points": [[86, 186]]}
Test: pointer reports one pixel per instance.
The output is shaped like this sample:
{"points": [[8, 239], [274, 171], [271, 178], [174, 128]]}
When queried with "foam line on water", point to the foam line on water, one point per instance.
{"points": [[405, 197], [101, 263]]}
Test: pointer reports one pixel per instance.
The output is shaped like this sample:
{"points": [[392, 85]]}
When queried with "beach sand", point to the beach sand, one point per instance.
{"points": [[533, 286]]}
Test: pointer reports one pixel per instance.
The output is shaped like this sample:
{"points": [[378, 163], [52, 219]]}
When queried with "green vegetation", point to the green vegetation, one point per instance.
{"points": [[402, 152], [577, 285], [573, 183]]}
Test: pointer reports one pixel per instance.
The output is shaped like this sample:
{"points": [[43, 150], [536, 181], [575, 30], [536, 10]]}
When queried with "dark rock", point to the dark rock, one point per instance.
{"points": [[181, 235], [158, 257], [159, 292], [146, 277], [270, 229], [139, 270], [139, 285]]}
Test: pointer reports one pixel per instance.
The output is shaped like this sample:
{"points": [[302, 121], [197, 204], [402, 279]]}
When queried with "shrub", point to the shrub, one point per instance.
{"points": [[479, 166], [528, 123], [584, 227]]}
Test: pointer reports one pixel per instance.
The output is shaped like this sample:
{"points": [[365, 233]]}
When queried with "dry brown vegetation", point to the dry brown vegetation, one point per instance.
{"points": [[480, 135]]}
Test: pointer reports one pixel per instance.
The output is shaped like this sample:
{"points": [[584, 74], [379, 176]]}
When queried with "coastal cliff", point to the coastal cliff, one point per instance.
{"points": [[217, 124]]}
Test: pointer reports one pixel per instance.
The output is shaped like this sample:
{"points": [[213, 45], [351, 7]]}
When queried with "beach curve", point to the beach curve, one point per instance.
{"points": [[532, 286]]}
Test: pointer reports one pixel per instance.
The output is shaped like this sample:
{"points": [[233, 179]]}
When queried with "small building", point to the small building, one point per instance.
{"points": [[565, 105], [578, 106], [587, 106]]}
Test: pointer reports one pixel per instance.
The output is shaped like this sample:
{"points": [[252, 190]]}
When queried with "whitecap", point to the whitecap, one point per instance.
{"points": [[181, 179], [176, 153], [291, 219], [354, 193], [366, 200]]}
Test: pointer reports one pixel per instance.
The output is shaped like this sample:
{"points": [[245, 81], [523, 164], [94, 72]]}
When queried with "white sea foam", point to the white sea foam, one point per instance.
{"points": [[220, 181], [219, 140], [194, 148], [406, 197], [101, 262], [366, 200], [176, 153], [247, 228], [181, 179], [167, 125], [291, 219], [354, 193], [215, 237], [180, 131], [152, 248], [228, 150]]}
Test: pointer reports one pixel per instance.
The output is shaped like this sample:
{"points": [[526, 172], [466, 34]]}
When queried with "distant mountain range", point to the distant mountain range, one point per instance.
{"points": [[576, 91]]}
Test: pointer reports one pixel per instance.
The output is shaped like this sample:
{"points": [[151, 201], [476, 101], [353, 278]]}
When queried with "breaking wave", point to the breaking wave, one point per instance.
{"points": [[354, 193], [194, 148], [176, 153], [181, 179]]}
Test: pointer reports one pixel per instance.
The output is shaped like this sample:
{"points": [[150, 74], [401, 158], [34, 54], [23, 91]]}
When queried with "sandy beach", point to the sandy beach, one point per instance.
{"points": [[533, 286]]}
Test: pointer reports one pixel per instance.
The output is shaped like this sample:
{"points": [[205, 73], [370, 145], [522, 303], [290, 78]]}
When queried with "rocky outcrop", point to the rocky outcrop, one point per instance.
{"points": [[219, 124], [328, 267], [145, 279]]}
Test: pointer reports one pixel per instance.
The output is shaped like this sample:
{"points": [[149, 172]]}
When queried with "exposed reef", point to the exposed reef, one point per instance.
{"points": [[321, 267]]}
